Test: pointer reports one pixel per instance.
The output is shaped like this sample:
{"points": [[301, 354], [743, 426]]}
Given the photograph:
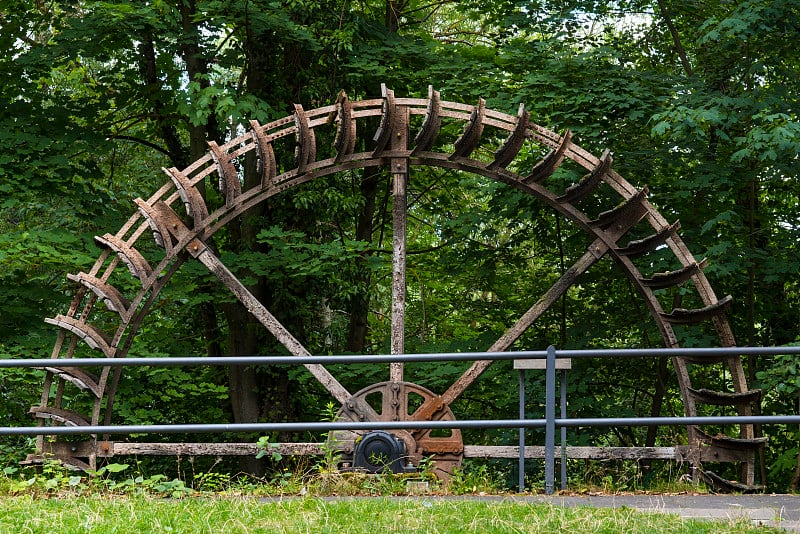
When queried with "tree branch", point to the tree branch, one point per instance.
{"points": [[141, 142], [676, 39]]}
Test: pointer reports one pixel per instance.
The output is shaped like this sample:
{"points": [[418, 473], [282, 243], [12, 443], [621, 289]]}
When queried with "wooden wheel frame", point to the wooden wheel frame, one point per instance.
{"points": [[178, 217]]}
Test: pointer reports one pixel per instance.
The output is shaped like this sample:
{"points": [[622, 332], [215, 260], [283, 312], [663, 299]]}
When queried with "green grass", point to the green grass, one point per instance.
{"points": [[140, 513]]}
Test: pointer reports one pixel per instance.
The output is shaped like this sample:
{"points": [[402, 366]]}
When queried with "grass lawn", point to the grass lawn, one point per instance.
{"points": [[228, 514]]}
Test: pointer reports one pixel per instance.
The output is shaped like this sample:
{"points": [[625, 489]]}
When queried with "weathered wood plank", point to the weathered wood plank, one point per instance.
{"points": [[674, 278], [387, 125], [137, 265], [110, 295], [312, 449], [431, 125], [583, 453], [91, 335]]}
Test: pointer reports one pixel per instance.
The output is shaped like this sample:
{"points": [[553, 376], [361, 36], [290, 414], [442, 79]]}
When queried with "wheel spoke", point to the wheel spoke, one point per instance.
{"points": [[260, 312], [589, 258]]}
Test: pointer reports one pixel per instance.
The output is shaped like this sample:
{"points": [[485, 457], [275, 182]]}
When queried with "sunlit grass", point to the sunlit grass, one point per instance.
{"points": [[121, 514]]}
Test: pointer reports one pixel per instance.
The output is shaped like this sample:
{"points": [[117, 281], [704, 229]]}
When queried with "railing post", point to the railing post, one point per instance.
{"points": [[563, 385], [522, 431], [550, 422]]}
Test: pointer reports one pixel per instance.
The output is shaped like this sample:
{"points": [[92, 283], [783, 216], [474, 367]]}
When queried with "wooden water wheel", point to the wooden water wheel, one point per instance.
{"points": [[179, 219]]}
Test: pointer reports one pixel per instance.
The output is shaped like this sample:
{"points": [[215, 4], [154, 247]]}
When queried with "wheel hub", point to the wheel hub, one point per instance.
{"points": [[399, 450]]}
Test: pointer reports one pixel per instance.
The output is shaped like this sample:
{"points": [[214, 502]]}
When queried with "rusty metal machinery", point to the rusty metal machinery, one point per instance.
{"points": [[179, 220]]}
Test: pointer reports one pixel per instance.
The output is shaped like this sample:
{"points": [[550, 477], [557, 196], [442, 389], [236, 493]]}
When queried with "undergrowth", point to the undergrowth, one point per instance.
{"points": [[319, 478]]}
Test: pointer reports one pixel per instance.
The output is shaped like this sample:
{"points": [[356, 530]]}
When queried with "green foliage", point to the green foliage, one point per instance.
{"points": [[268, 448], [476, 479], [96, 96]]}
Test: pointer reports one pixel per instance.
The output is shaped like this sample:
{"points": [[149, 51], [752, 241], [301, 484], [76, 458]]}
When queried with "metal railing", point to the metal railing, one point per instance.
{"points": [[550, 422]]}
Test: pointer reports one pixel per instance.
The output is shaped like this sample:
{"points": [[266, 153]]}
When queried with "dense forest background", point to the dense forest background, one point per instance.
{"points": [[697, 100]]}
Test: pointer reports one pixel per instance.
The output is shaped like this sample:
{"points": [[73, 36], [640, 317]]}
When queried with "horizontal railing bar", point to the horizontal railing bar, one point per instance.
{"points": [[406, 358], [396, 425], [697, 352], [266, 360]]}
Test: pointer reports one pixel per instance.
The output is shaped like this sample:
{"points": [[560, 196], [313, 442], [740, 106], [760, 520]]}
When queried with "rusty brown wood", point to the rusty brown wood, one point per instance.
{"points": [[94, 337], [228, 176], [269, 322], [306, 150], [473, 130], [576, 192], [155, 269], [213, 449], [551, 162], [192, 199], [512, 334], [640, 247], [718, 398], [431, 125], [399, 168], [684, 316], [577, 453], [267, 165], [110, 295], [79, 377], [67, 417], [383, 134], [674, 278], [110, 449], [345, 141], [509, 150], [631, 209], [137, 265]]}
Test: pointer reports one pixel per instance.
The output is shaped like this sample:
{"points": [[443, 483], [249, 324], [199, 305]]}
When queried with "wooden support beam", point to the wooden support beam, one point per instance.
{"points": [[109, 449], [399, 169]]}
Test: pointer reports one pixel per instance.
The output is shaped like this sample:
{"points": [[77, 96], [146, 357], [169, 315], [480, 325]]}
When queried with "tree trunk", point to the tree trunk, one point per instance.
{"points": [[359, 306]]}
